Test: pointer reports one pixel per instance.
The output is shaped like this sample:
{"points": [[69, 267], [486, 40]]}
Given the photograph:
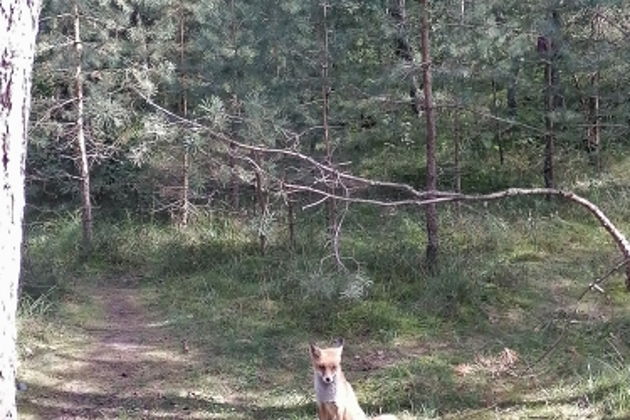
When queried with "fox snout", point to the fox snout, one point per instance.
{"points": [[328, 378]]}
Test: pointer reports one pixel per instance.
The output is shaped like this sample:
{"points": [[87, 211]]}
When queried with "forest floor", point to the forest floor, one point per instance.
{"points": [[117, 357], [117, 361], [208, 328]]}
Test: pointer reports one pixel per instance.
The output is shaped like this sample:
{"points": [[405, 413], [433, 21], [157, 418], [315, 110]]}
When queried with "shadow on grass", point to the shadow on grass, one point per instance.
{"points": [[50, 403]]}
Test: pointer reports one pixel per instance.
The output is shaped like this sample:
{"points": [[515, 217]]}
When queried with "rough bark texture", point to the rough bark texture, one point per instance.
{"points": [[18, 27], [431, 177]]}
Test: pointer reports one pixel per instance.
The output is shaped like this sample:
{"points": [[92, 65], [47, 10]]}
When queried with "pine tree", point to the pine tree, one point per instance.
{"points": [[18, 28]]}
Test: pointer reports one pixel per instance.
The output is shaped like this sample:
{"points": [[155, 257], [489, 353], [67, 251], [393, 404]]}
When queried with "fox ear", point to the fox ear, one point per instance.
{"points": [[315, 351], [339, 343]]}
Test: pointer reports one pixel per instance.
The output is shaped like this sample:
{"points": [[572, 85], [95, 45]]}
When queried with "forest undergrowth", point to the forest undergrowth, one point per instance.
{"points": [[497, 331]]}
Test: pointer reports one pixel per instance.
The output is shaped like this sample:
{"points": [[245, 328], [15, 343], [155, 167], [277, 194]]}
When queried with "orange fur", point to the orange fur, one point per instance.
{"points": [[335, 397]]}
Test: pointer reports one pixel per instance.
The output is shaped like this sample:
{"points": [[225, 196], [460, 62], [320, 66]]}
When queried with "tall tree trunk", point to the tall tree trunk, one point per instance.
{"points": [[185, 210], [594, 129], [512, 103], [83, 162], [398, 12], [291, 222], [457, 137], [550, 136], [262, 200], [548, 46], [431, 176], [404, 50], [331, 204], [497, 126], [235, 110], [18, 28]]}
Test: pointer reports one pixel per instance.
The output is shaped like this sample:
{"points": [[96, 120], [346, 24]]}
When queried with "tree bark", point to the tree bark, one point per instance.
{"points": [[262, 200], [457, 136], [512, 103], [550, 136], [548, 47], [594, 129], [404, 51], [498, 135], [291, 222], [331, 204], [185, 209], [18, 28], [431, 159], [83, 162], [236, 110]]}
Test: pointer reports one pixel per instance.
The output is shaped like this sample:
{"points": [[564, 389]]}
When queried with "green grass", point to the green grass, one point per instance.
{"points": [[509, 275]]}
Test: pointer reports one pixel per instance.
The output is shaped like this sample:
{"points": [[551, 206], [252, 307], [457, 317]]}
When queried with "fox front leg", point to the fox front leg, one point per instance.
{"points": [[340, 414]]}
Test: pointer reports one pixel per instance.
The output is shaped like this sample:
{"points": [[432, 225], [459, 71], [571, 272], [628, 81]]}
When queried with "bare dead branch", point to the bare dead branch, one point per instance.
{"points": [[421, 198], [286, 152]]}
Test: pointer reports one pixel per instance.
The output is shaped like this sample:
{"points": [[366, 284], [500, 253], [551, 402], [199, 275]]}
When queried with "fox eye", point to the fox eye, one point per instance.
{"points": [[322, 367], [333, 368]]}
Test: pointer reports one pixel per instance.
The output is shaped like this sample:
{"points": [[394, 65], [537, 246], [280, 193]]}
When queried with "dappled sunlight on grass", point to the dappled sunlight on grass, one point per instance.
{"points": [[418, 345]]}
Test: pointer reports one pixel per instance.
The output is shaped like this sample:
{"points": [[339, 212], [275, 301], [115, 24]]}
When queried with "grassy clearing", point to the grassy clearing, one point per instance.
{"points": [[419, 346]]}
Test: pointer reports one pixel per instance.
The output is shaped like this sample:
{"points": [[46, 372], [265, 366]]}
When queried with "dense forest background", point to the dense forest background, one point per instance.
{"points": [[258, 165]]}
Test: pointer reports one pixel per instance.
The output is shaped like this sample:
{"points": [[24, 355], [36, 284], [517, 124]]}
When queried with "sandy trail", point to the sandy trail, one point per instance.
{"points": [[120, 364]]}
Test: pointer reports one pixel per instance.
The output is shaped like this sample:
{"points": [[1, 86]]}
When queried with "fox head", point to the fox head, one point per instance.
{"points": [[327, 362]]}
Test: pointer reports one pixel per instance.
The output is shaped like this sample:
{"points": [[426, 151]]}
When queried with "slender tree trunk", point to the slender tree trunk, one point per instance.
{"points": [[512, 103], [235, 109], [262, 199], [235, 193], [291, 222], [550, 136], [185, 210], [331, 203], [548, 47], [497, 126], [594, 129], [404, 51], [83, 162], [290, 214], [18, 28], [431, 176], [457, 137]]}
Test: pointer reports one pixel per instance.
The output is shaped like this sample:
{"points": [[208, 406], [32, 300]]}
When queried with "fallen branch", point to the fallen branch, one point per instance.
{"points": [[420, 198]]}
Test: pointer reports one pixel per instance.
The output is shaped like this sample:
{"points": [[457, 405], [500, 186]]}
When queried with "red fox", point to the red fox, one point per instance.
{"points": [[335, 397]]}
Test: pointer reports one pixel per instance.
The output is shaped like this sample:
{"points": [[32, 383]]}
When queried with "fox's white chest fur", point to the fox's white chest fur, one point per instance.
{"points": [[325, 392]]}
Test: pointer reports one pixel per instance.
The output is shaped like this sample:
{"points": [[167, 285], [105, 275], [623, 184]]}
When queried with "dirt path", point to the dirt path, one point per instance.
{"points": [[119, 363]]}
